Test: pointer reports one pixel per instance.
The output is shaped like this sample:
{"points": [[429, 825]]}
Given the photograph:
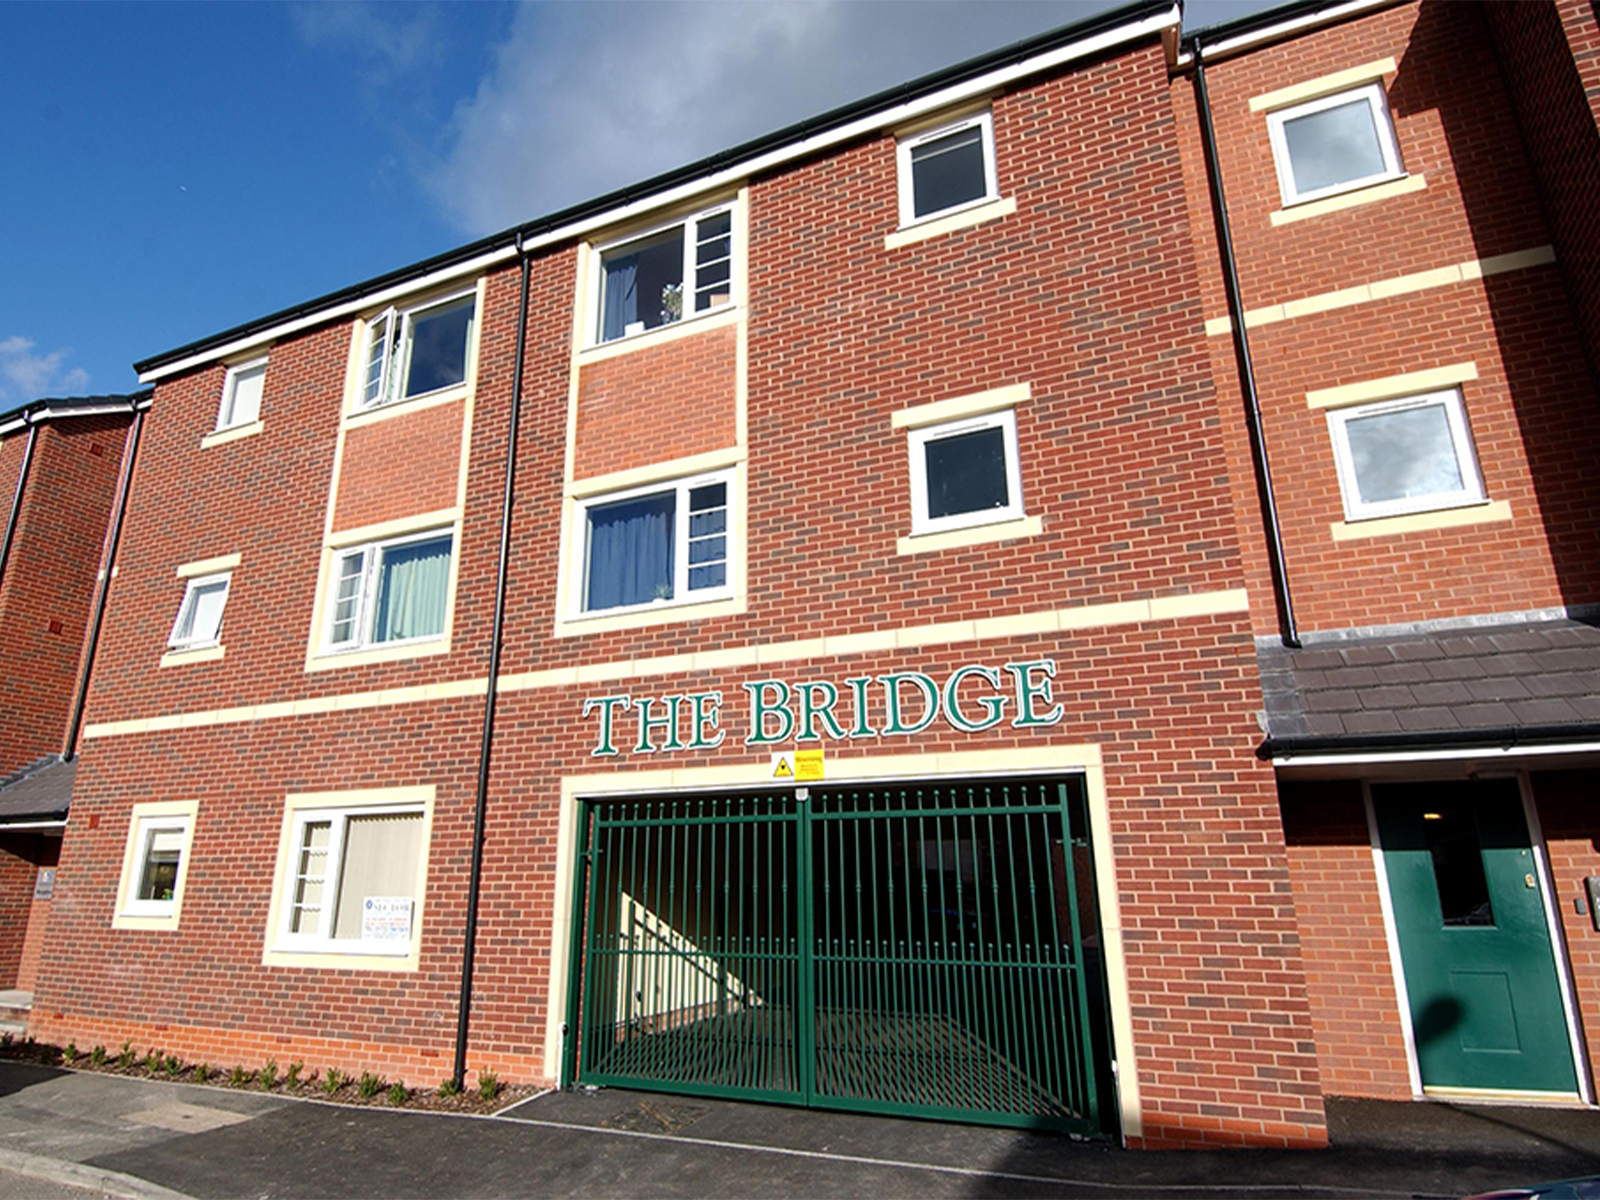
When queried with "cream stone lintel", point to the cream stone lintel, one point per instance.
{"points": [[222, 437], [1366, 195], [1066, 620], [401, 525], [1383, 289], [975, 404], [1449, 518], [677, 468], [965, 219], [1080, 759], [660, 335], [977, 535], [1325, 85], [209, 566], [178, 658], [1390, 386]]}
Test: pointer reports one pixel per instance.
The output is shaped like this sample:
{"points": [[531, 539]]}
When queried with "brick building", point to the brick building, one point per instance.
{"points": [[809, 627]]}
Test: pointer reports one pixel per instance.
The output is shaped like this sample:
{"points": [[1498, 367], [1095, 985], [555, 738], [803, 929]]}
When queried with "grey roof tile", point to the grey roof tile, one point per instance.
{"points": [[1497, 689], [1444, 692], [1456, 668], [1332, 701], [1432, 719], [1544, 712], [1386, 697], [1371, 722], [1416, 651], [43, 794], [1489, 715], [1362, 654], [1350, 677]]}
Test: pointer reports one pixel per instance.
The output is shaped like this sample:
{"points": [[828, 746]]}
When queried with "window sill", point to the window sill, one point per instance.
{"points": [[197, 654], [131, 921], [234, 433], [1445, 518], [330, 660], [716, 318], [644, 617], [932, 227], [358, 417], [977, 535], [1368, 193], [336, 960]]}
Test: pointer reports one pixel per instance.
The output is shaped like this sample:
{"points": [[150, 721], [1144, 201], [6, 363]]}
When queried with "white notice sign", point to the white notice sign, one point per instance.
{"points": [[386, 919]]}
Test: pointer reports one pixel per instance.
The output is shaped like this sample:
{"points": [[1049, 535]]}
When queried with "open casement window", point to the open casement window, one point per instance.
{"points": [[353, 880], [965, 473], [1334, 144], [664, 544], [413, 351], [387, 592], [665, 276], [1405, 456], [199, 620], [241, 394], [160, 843], [947, 169]]}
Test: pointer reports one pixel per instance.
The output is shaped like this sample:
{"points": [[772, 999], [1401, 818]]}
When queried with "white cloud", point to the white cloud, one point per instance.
{"points": [[389, 41], [586, 98], [25, 375]]}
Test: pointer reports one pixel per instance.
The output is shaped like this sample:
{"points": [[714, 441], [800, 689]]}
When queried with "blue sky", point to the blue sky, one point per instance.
{"points": [[171, 170]]}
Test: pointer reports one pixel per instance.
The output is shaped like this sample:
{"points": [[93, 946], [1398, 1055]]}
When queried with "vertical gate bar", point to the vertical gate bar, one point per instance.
{"points": [[1091, 1101], [925, 994], [1040, 989], [627, 966], [826, 967], [769, 992], [880, 956], [947, 1004], [992, 971], [576, 932], [805, 1018], [1060, 1026], [592, 1046], [1019, 969]]}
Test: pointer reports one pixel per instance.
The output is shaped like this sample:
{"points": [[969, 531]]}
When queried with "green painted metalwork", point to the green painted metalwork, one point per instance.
{"points": [[922, 949]]}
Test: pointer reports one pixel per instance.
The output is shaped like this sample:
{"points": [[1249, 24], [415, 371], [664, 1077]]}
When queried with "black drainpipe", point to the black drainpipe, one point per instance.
{"points": [[16, 500], [496, 642], [1247, 376], [70, 750]]}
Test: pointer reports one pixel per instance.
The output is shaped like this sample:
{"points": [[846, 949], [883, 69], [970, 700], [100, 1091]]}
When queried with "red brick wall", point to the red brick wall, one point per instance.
{"points": [[1565, 803], [1355, 1010], [399, 467], [656, 404], [48, 590], [49, 852], [19, 853], [1527, 409], [1550, 58]]}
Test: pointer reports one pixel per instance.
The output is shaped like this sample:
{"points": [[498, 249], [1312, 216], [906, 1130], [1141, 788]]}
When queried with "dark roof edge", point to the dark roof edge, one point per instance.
{"points": [[1042, 43], [58, 408], [1500, 738], [1274, 24]]}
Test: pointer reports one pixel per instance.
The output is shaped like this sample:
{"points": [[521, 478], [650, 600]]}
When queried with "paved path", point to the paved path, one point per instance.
{"points": [[157, 1140]]}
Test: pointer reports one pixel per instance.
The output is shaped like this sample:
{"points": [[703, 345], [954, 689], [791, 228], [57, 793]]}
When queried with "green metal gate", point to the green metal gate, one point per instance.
{"points": [[923, 949]]}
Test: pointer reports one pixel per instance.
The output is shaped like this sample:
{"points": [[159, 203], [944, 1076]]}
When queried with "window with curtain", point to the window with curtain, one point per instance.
{"points": [[662, 545], [667, 275], [352, 883], [393, 591], [411, 352]]}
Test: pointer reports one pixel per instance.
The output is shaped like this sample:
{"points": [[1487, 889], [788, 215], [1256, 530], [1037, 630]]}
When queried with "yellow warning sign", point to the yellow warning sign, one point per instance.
{"points": [[807, 766], [783, 765]]}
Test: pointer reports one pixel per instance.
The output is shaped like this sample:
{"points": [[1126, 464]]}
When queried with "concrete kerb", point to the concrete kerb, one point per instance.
{"points": [[81, 1175]]}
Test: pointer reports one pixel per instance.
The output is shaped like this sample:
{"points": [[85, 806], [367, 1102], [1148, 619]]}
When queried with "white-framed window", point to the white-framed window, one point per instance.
{"points": [[1334, 144], [155, 864], [199, 620], [666, 275], [662, 544], [389, 592], [241, 394], [1402, 456], [352, 882], [965, 473], [414, 351], [947, 169]]}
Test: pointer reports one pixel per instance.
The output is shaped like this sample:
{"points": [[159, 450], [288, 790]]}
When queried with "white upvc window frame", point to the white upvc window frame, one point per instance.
{"points": [[917, 438], [227, 415], [691, 239], [145, 820], [191, 598], [1472, 490], [984, 121], [366, 596], [392, 328], [322, 941], [682, 596], [1382, 120]]}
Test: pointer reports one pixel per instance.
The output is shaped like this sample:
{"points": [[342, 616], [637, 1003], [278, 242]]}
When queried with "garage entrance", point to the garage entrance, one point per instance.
{"points": [[926, 949]]}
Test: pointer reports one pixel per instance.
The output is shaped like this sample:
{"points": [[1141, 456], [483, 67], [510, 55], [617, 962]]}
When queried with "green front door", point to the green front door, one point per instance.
{"points": [[1486, 1009]]}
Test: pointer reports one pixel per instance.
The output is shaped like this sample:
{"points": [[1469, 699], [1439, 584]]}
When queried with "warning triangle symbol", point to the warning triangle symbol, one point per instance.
{"points": [[783, 770]]}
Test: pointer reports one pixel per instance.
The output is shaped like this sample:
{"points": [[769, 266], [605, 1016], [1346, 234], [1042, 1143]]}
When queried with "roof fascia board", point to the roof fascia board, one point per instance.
{"points": [[1376, 757], [736, 172], [8, 826], [1251, 39], [39, 416]]}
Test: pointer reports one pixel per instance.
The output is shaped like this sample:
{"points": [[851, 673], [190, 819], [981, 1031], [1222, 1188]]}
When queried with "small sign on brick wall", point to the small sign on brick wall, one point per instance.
{"points": [[44, 883]]}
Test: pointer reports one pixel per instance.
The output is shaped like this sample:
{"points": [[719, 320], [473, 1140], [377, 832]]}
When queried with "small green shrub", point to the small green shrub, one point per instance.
{"points": [[369, 1086], [202, 1072], [269, 1074], [172, 1066], [291, 1077], [488, 1085], [126, 1056], [97, 1056], [238, 1077], [70, 1054], [449, 1088], [153, 1061], [6, 1040], [332, 1081], [399, 1093]]}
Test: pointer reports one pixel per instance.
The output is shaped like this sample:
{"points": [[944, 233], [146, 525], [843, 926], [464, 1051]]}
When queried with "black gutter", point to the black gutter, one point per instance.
{"points": [[16, 499], [947, 77], [496, 644], [1505, 737], [1287, 628], [69, 749], [1278, 15]]}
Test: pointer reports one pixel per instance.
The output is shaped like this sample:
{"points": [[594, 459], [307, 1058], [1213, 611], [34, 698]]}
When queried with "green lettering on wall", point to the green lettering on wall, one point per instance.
{"points": [[706, 708], [892, 722], [811, 711], [1029, 690], [607, 705], [994, 706], [649, 723], [761, 709]]}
